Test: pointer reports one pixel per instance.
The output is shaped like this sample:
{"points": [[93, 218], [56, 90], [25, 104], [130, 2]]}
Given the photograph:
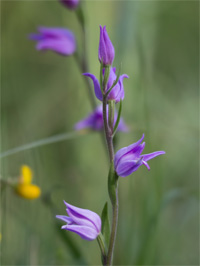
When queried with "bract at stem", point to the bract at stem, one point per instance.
{"points": [[106, 77], [101, 242], [115, 82], [118, 119], [111, 114]]}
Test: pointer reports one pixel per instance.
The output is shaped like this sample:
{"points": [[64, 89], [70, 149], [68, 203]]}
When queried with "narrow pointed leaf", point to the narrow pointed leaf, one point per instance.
{"points": [[105, 224], [118, 118], [112, 183]]}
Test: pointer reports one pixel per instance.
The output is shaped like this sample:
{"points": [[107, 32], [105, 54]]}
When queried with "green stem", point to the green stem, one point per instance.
{"points": [[83, 62], [112, 179], [83, 66], [115, 207], [108, 133]]}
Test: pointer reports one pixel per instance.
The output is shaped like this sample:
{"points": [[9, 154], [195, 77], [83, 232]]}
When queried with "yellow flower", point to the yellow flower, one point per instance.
{"points": [[24, 188]]}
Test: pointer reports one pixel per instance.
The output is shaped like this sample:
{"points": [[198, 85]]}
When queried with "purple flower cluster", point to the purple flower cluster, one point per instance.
{"points": [[85, 223], [127, 160]]}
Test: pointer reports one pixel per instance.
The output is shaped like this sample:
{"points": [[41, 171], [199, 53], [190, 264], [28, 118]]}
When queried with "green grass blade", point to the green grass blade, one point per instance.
{"points": [[41, 142]]}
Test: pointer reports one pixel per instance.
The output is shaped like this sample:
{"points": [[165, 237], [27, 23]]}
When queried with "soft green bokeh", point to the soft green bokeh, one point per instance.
{"points": [[44, 94]]}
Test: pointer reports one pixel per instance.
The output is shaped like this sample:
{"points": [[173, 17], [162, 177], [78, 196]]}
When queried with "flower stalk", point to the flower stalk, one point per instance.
{"points": [[112, 177]]}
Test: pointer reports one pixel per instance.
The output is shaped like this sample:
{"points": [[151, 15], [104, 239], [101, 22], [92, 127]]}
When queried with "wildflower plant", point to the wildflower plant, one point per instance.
{"points": [[109, 90]]}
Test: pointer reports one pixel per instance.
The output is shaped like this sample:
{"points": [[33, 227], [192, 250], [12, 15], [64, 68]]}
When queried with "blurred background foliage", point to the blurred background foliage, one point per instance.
{"points": [[44, 94]]}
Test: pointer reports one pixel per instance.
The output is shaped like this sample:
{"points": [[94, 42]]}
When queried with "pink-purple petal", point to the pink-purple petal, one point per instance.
{"points": [[71, 4], [64, 218], [146, 164], [63, 47], [97, 88], [129, 168], [85, 232], [122, 125], [125, 150], [152, 155], [106, 49], [80, 219], [129, 159], [86, 214], [95, 121], [59, 40]]}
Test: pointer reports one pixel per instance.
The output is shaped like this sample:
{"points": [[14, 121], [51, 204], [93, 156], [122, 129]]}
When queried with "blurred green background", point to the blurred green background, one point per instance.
{"points": [[44, 94]]}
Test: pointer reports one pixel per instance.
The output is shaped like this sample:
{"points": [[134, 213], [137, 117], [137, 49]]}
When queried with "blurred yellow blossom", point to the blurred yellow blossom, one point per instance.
{"points": [[24, 187]]}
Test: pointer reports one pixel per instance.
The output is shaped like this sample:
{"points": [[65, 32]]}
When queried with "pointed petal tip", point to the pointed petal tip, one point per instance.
{"points": [[86, 74], [65, 203], [142, 138], [125, 76], [64, 227]]}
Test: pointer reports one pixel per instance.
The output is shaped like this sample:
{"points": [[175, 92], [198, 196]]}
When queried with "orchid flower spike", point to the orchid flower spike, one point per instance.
{"points": [[106, 48], [95, 122], [85, 223], [59, 40], [117, 92], [129, 159]]}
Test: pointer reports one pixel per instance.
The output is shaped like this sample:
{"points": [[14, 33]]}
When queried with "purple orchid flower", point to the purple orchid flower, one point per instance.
{"points": [[59, 40], [95, 121], [117, 92], [71, 4], [129, 159], [85, 223], [106, 48]]}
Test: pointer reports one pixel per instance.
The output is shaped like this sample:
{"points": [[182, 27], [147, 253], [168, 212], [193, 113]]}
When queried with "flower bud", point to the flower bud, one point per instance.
{"points": [[106, 48], [71, 4]]}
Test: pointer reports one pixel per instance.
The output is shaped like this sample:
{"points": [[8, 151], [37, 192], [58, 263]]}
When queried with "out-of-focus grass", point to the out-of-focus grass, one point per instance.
{"points": [[44, 94]]}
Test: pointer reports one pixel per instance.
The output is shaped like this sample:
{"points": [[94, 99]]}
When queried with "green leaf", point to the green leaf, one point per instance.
{"points": [[118, 118], [112, 183], [105, 228]]}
